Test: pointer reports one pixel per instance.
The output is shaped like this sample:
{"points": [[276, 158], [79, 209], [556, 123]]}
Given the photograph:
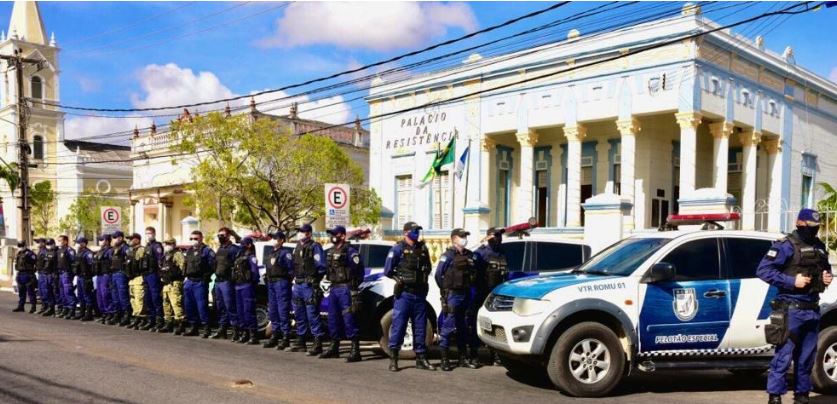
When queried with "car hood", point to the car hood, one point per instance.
{"points": [[537, 287]]}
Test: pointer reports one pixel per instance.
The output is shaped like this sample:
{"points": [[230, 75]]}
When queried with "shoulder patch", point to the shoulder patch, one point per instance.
{"points": [[772, 253], [356, 259], [316, 257], [289, 256], [443, 258], [391, 254]]}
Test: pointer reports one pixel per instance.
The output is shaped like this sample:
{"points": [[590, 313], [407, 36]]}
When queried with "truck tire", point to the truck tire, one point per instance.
{"points": [[407, 347], [825, 364], [587, 360]]}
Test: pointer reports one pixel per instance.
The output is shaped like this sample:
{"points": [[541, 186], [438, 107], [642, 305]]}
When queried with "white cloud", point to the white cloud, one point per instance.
{"points": [[833, 75], [379, 26], [119, 129], [89, 85], [172, 85]]}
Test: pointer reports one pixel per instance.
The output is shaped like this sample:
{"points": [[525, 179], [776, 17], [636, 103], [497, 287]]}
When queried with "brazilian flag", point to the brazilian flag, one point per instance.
{"points": [[444, 157]]}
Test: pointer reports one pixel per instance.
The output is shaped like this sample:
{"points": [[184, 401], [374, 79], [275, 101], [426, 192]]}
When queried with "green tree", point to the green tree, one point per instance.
{"points": [[42, 202], [828, 206], [259, 174], [84, 215], [9, 175]]}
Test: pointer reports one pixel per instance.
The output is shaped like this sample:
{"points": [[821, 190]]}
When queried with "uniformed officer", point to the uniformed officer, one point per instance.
{"points": [[25, 266], [171, 275], [47, 275], [224, 293], [456, 275], [200, 262], [120, 275], [151, 263], [408, 264], [492, 270], [279, 273], [67, 297], [798, 266], [309, 268], [345, 272], [84, 268], [134, 263], [103, 283], [245, 275]]}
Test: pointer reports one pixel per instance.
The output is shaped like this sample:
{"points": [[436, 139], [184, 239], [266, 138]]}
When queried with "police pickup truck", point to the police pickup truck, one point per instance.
{"points": [[666, 300]]}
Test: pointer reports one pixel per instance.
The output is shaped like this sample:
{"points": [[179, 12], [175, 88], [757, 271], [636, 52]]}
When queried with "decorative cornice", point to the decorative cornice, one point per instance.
{"points": [[488, 144], [628, 126], [575, 133], [750, 137], [688, 119], [721, 129], [528, 138]]}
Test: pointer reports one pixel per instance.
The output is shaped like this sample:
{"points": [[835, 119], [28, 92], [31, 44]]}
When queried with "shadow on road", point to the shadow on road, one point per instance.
{"points": [[5, 338], [46, 390]]}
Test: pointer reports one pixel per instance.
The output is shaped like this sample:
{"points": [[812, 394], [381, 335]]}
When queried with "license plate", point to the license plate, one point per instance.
{"points": [[485, 324]]}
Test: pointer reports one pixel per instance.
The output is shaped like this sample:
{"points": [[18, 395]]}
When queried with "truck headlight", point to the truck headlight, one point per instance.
{"points": [[528, 307]]}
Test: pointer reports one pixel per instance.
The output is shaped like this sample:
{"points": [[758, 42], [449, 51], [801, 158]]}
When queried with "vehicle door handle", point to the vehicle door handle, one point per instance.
{"points": [[714, 294]]}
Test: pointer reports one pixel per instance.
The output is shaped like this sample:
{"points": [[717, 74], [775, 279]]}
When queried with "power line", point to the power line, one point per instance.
{"points": [[126, 27]]}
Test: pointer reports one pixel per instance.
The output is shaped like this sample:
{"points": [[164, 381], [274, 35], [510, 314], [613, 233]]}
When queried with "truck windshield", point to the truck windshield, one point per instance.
{"points": [[624, 257]]}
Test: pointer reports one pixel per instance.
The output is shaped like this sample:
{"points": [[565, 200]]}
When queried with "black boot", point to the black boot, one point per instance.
{"points": [[393, 360], [272, 342], [88, 315], [104, 318], [286, 342], [194, 331], [316, 347], [254, 338], [71, 315], [774, 399], [61, 312], [298, 346], [422, 363], [126, 320], [136, 324], [160, 325], [800, 398], [49, 312], [245, 336], [494, 357], [33, 308], [354, 352], [166, 327], [236, 335], [221, 333], [148, 324], [474, 359], [445, 366], [207, 331], [333, 350], [42, 309], [18, 309], [180, 328]]}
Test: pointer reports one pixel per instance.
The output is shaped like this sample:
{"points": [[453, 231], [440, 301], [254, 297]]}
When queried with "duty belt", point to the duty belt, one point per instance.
{"points": [[463, 291], [300, 281], [277, 278], [784, 304], [195, 278]]}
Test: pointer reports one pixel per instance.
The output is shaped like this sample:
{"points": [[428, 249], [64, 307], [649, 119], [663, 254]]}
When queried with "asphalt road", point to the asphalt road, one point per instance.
{"points": [[45, 360]]}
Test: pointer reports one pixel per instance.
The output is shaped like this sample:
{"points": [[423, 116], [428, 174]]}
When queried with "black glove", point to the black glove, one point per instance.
{"points": [[399, 288], [355, 295]]}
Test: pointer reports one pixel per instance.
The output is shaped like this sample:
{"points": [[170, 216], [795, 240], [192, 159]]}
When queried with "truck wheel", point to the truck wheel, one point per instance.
{"points": [[262, 319], [825, 364], [586, 361], [407, 347]]}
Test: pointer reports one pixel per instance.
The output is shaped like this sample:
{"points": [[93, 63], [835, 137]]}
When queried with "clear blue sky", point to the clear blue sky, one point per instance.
{"points": [[122, 54]]}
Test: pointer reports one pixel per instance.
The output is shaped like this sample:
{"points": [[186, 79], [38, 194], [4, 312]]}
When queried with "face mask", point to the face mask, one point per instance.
{"points": [[21, 244], [193, 243], [462, 241], [168, 248], [413, 235], [808, 233], [222, 238], [301, 236], [149, 237]]}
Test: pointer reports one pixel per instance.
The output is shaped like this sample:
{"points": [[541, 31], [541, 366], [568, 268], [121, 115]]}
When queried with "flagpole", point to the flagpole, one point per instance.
{"points": [[441, 195], [467, 172]]}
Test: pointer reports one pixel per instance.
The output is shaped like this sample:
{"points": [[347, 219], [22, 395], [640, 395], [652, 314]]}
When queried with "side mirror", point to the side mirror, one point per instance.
{"points": [[661, 271]]}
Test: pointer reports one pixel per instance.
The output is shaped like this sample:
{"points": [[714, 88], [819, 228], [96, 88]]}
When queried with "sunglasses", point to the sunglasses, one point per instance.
{"points": [[193, 239]]}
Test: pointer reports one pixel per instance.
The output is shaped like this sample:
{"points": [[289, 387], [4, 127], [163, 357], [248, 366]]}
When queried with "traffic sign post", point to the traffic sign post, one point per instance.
{"points": [[111, 219], [337, 198]]}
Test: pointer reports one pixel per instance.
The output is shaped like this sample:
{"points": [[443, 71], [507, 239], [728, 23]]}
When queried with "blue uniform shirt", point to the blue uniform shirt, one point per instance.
{"points": [[771, 270], [285, 258], [87, 256], [70, 255], [108, 253]]}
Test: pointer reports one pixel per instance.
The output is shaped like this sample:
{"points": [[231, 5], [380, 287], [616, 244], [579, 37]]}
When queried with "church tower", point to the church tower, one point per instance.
{"points": [[26, 32]]}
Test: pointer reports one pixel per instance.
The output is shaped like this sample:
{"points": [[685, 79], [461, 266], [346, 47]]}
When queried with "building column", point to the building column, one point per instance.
{"points": [[132, 226], [720, 133], [774, 198], [487, 148], [688, 122], [524, 205], [163, 207], [628, 129], [575, 135], [602, 169], [749, 140]]}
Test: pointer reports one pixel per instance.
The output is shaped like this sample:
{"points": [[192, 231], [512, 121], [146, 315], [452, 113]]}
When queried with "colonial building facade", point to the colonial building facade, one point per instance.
{"points": [[712, 123]]}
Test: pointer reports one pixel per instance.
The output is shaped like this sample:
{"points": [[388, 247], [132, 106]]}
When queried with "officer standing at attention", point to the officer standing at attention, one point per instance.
{"points": [[798, 266], [309, 268], [245, 275], [67, 297], [103, 282], [134, 263], [84, 268], [119, 279], [200, 261], [49, 263], [279, 274], [25, 266], [492, 270], [224, 293], [153, 288], [44, 277], [345, 272], [456, 276], [171, 275], [408, 264]]}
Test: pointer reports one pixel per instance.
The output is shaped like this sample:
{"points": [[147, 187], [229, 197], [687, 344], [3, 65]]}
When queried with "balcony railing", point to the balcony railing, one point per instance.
{"points": [[153, 143]]}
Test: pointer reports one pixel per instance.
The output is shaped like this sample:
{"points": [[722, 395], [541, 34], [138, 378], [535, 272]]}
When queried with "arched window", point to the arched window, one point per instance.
{"points": [[38, 147], [37, 88]]}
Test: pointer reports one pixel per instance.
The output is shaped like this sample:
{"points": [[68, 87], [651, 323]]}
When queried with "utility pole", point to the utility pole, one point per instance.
{"points": [[17, 61]]}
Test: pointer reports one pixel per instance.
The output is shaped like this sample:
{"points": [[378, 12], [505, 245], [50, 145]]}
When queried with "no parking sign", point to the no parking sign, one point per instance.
{"points": [[337, 205], [111, 219]]}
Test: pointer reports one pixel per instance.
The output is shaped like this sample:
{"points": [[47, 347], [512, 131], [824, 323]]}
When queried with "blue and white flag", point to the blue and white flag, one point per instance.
{"points": [[460, 164]]}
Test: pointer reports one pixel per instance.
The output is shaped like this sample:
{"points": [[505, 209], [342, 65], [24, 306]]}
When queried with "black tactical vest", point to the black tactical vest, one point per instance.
{"points": [[80, 265], [338, 271], [170, 271], [117, 259], [241, 268], [497, 270], [412, 268], [40, 261], [194, 266], [22, 264], [276, 270], [223, 263], [63, 260], [462, 273], [807, 260], [149, 260], [51, 261], [304, 260], [133, 266]]}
